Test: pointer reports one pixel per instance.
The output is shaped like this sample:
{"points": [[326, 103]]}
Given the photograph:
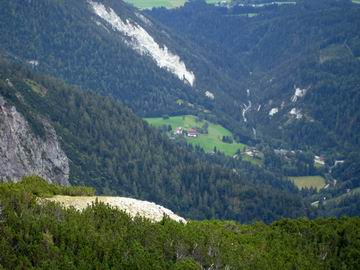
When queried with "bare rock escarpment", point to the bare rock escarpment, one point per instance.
{"points": [[24, 153]]}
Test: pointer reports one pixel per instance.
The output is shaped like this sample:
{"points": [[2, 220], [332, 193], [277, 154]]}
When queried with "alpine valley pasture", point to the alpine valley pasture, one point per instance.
{"points": [[148, 4], [209, 136]]}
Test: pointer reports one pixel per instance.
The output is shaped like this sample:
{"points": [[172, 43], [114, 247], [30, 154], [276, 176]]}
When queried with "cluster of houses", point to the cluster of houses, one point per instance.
{"points": [[319, 160], [252, 152], [192, 132]]}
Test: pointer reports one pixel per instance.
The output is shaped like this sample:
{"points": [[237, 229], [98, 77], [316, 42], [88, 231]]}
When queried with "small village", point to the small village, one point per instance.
{"points": [[190, 133]]}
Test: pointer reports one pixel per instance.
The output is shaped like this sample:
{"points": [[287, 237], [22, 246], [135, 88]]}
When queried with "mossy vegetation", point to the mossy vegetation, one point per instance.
{"points": [[37, 186]]}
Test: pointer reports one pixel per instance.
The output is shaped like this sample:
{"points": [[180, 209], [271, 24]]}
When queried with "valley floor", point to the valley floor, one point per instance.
{"points": [[207, 135]]}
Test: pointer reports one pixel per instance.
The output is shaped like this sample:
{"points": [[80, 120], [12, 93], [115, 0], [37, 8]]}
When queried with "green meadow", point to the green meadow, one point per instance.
{"points": [[206, 141], [317, 182], [145, 4]]}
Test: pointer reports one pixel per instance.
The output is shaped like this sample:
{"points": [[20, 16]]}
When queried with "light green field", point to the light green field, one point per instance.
{"points": [[317, 182], [205, 141], [37, 88], [145, 4], [254, 161], [217, 1], [356, 1]]}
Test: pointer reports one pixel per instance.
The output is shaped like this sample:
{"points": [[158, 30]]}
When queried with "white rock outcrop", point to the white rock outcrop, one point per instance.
{"points": [[296, 113], [34, 63], [131, 206], [273, 111], [24, 153], [209, 95], [299, 93], [245, 109], [142, 42]]}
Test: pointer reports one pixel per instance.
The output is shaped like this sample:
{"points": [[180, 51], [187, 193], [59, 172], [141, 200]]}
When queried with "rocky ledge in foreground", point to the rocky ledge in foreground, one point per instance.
{"points": [[133, 207]]}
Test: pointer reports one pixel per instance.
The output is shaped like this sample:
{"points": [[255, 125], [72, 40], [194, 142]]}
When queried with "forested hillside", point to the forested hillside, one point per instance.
{"points": [[66, 39], [107, 52], [111, 149], [273, 73], [48, 236], [300, 64], [235, 128], [274, 50]]}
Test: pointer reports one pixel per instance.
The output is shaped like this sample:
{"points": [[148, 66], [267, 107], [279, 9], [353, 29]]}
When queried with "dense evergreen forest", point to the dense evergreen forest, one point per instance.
{"points": [[283, 78], [313, 45], [46, 236], [310, 45], [117, 153], [68, 41]]}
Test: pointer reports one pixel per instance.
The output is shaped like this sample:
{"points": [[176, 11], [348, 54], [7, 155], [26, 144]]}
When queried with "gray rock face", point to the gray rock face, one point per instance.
{"points": [[23, 153]]}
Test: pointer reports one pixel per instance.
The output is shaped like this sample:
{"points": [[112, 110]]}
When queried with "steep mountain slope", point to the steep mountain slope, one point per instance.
{"points": [[112, 150], [238, 70], [24, 153], [70, 40], [112, 48], [300, 64]]}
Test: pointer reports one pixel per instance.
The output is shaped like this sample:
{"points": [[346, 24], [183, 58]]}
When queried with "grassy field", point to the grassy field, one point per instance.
{"points": [[317, 182], [144, 4], [206, 141], [356, 1]]}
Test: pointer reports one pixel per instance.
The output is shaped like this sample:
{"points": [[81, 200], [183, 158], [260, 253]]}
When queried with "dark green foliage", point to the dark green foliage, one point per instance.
{"points": [[40, 188], [68, 43], [290, 163], [313, 45], [45, 236], [114, 151], [307, 45], [64, 37], [227, 139], [348, 206]]}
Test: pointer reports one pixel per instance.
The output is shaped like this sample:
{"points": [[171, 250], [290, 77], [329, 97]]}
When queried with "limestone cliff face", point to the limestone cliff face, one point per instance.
{"points": [[23, 153]]}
